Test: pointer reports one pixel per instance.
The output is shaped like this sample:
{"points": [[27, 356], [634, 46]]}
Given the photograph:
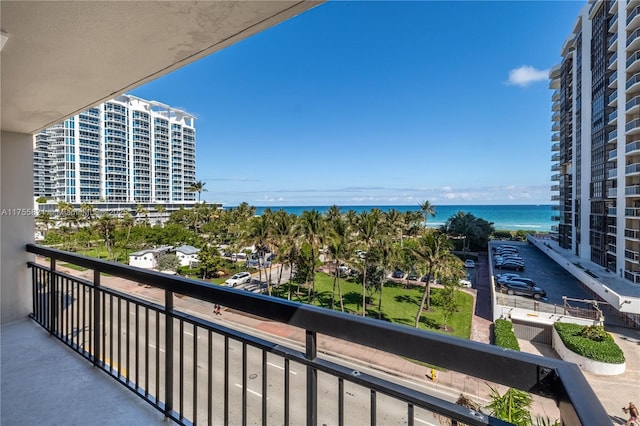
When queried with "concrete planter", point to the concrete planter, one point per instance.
{"points": [[586, 364]]}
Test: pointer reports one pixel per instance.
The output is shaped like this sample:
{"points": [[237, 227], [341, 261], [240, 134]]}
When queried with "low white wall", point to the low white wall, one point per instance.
{"points": [[586, 364]]}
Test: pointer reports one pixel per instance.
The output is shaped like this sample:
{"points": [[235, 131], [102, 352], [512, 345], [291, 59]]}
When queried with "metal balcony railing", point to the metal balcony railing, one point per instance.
{"points": [[171, 359]]}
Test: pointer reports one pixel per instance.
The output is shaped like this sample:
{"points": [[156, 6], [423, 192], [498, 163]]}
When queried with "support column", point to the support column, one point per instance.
{"points": [[16, 224]]}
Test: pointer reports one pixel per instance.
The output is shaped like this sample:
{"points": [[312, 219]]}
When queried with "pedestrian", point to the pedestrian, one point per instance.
{"points": [[218, 310], [632, 410]]}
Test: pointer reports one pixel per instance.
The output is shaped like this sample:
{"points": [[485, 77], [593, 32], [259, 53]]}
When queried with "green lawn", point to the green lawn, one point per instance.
{"points": [[399, 304]]}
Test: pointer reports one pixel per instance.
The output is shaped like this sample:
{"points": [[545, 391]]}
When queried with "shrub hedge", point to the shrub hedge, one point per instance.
{"points": [[605, 350], [504, 335]]}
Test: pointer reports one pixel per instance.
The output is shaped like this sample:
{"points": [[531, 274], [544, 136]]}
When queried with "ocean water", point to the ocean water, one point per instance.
{"points": [[504, 217]]}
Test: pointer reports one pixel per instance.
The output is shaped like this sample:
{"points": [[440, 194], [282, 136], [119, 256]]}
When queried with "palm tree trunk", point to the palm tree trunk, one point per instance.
{"points": [[380, 301], [425, 296], [340, 295], [333, 291], [364, 291]]}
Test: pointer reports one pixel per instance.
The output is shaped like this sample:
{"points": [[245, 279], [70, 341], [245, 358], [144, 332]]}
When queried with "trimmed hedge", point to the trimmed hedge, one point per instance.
{"points": [[504, 335], [605, 350]]}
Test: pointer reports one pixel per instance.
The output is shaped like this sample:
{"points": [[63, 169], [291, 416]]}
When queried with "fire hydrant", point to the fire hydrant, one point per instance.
{"points": [[434, 376]]}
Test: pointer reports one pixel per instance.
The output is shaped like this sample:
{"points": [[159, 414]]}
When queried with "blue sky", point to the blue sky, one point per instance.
{"points": [[379, 103]]}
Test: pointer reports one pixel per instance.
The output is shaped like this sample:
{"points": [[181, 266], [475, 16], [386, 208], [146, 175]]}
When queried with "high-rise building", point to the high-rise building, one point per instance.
{"points": [[126, 150], [596, 137]]}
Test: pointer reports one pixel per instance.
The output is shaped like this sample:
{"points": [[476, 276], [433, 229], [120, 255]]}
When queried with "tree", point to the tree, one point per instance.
{"points": [[427, 209], [512, 407], [449, 305], [41, 200], [142, 212], [45, 220], [208, 260], [197, 187], [105, 225], [311, 229], [258, 234], [433, 249], [168, 262], [369, 227]]}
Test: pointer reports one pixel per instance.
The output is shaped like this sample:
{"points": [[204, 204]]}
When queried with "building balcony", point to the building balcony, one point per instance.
{"points": [[632, 127], [633, 276], [611, 249], [555, 147], [613, 117], [633, 63], [554, 83], [632, 256], [633, 41], [555, 177], [555, 96], [612, 230], [613, 97], [555, 187], [555, 157], [612, 136], [632, 147], [633, 18], [613, 23], [613, 42], [556, 106], [612, 192], [555, 218], [612, 82], [556, 117], [195, 369], [612, 174], [555, 198], [612, 155], [612, 211], [633, 234], [632, 190], [555, 127], [556, 167], [632, 169], [632, 212]]}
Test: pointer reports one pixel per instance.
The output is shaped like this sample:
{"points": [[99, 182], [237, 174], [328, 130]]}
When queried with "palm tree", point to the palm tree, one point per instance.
{"points": [[427, 210], [368, 226], [284, 240], [198, 187], [462, 225], [45, 219], [394, 220], [105, 225], [433, 249], [258, 234], [339, 245], [311, 229], [141, 212]]}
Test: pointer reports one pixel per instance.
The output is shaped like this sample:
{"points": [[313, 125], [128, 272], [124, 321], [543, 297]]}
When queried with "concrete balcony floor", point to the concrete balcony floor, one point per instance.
{"points": [[43, 382]]}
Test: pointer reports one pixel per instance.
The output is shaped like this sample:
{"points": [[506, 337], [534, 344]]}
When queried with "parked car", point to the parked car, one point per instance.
{"points": [[506, 276], [527, 281], [513, 266], [413, 276], [469, 263], [522, 289], [239, 278], [344, 270], [465, 283], [398, 273]]}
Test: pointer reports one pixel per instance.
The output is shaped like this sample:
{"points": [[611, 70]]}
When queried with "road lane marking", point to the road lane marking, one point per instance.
{"points": [[249, 390], [421, 421], [154, 346], [280, 367]]}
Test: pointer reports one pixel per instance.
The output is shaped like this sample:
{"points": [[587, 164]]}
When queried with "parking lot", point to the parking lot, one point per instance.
{"points": [[547, 275]]}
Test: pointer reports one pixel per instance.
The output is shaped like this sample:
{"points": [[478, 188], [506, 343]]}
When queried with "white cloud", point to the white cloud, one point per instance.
{"points": [[526, 75]]}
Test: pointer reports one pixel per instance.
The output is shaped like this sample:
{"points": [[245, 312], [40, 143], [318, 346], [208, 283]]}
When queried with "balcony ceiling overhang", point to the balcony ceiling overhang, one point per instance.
{"points": [[61, 58]]}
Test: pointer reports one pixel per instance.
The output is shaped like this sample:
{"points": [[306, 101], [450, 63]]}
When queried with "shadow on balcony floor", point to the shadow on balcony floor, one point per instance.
{"points": [[44, 383]]}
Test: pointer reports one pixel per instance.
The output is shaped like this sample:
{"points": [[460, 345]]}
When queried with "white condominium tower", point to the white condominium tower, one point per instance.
{"points": [[126, 150], [596, 139]]}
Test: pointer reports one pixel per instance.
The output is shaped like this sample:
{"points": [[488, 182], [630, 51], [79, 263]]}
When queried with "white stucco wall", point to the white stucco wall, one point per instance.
{"points": [[16, 224], [147, 260]]}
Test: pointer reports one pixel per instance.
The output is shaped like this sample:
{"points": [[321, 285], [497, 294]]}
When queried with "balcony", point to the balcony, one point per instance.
{"points": [[555, 96], [632, 169], [612, 98], [612, 117], [555, 157], [632, 190], [612, 192], [555, 187], [632, 147], [556, 117], [611, 249], [633, 18], [633, 234], [613, 42], [612, 211], [612, 174], [555, 127], [631, 255], [633, 105], [556, 167], [632, 212], [555, 147], [555, 177], [555, 218], [613, 23], [632, 82], [556, 106], [632, 127], [612, 82], [612, 155], [612, 230], [555, 198], [633, 276], [151, 348], [612, 136], [633, 62]]}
